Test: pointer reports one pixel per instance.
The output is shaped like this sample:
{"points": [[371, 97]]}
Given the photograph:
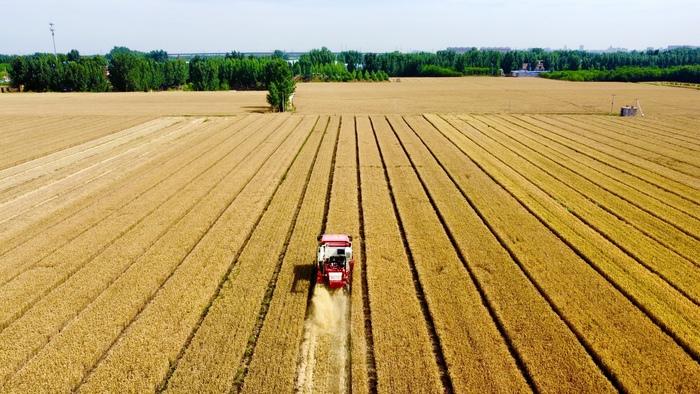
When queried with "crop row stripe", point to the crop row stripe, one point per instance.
{"points": [[618, 326], [172, 310]]}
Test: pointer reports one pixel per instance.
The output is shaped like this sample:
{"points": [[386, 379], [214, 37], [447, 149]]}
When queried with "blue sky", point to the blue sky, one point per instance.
{"points": [[383, 25]]}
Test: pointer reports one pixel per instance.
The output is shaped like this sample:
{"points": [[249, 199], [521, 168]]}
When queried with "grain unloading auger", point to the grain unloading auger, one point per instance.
{"points": [[334, 263]]}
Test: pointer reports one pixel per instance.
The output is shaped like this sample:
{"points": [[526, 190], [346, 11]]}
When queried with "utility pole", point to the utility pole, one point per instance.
{"points": [[53, 38], [612, 104]]}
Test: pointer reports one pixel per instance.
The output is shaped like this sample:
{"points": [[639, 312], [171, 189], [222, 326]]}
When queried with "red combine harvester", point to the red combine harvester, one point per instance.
{"points": [[334, 263]]}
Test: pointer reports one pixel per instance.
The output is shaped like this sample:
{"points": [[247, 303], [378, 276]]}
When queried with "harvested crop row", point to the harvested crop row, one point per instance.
{"points": [[19, 258], [635, 353], [266, 377], [280, 334], [81, 149], [215, 353], [526, 132], [622, 206], [637, 143], [636, 159], [45, 274], [454, 302], [672, 267], [51, 132], [551, 353], [42, 171], [176, 227], [83, 181], [343, 218], [48, 234], [17, 123], [551, 132], [24, 152], [140, 357], [640, 137], [325, 354]]}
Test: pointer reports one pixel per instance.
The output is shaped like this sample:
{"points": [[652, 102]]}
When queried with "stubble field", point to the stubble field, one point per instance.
{"points": [[494, 251]]}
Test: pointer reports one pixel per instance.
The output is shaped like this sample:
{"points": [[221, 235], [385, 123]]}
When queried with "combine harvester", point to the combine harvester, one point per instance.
{"points": [[327, 325], [334, 263]]}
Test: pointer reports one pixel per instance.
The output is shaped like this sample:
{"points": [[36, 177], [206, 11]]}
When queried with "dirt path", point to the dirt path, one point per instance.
{"points": [[324, 352]]}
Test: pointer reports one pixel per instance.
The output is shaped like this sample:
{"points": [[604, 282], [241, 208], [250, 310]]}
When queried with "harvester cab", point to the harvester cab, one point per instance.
{"points": [[334, 263]]}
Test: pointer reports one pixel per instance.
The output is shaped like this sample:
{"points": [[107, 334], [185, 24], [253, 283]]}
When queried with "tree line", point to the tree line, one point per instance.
{"points": [[481, 62], [688, 74], [121, 70], [125, 70], [69, 72]]}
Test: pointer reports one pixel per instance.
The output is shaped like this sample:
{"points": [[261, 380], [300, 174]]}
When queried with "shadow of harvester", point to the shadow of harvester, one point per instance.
{"points": [[303, 274]]}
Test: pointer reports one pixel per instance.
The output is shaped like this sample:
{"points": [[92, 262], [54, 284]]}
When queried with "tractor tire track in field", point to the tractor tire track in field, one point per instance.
{"points": [[647, 313], [15, 127], [639, 142], [366, 309], [108, 284], [89, 372], [439, 355], [693, 227]]}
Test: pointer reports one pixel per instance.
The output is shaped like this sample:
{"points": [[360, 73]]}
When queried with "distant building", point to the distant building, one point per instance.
{"points": [[615, 50], [527, 71], [496, 49], [461, 49]]}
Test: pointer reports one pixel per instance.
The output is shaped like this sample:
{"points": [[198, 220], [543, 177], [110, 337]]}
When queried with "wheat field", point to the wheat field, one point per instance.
{"points": [[495, 252]]}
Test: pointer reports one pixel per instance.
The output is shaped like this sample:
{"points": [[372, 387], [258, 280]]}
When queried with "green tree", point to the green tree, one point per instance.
{"points": [[73, 55], [352, 59], [280, 54], [280, 84], [204, 73], [159, 55]]}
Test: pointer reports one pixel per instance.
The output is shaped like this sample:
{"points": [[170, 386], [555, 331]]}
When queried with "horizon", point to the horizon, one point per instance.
{"points": [[183, 26]]}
